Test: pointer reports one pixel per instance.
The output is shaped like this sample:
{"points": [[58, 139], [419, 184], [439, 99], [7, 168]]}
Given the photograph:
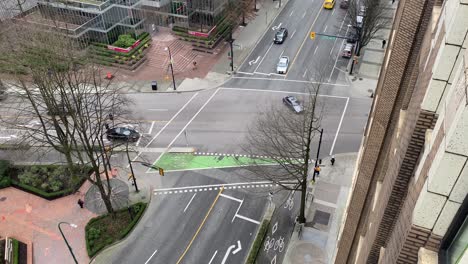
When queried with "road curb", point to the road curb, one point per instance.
{"points": [[266, 216]]}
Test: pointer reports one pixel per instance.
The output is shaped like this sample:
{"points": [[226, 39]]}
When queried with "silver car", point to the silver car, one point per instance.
{"points": [[283, 65]]}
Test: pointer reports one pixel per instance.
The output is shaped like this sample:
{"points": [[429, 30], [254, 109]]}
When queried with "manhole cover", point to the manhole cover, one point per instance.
{"points": [[2, 199], [321, 217]]}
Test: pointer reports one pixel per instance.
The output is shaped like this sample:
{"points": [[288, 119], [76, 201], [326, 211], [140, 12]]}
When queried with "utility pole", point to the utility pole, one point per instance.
{"points": [[230, 41], [172, 68], [318, 153]]}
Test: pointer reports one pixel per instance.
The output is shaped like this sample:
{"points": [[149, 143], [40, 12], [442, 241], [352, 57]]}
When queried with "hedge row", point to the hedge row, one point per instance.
{"points": [[125, 231], [41, 193], [5, 180], [100, 50], [257, 244]]}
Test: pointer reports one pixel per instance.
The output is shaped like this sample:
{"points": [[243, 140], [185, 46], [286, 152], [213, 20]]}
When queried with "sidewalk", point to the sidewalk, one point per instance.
{"points": [[324, 214]]}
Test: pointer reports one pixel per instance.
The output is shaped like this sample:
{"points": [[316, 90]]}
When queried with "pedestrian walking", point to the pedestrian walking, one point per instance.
{"points": [[383, 43], [106, 126], [332, 160], [194, 65], [317, 170], [80, 203], [393, 1]]}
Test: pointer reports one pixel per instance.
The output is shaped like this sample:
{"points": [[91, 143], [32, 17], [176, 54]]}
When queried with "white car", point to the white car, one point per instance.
{"points": [[283, 65]]}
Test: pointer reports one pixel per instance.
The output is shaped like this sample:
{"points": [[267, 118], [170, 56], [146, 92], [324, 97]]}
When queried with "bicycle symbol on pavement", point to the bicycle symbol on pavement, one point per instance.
{"points": [[276, 244], [290, 202]]}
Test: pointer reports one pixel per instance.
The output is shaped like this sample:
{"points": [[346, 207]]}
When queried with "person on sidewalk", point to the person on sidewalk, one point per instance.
{"points": [[383, 43], [80, 203], [332, 160], [317, 170], [194, 65]]}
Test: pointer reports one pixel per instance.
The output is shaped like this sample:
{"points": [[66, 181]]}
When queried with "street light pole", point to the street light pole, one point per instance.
{"points": [[66, 242], [318, 154], [131, 170], [172, 69], [230, 41]]}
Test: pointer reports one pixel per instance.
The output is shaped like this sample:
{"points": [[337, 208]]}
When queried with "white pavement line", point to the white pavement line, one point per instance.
{"points": [[333, 12], [158, 109], [305, 12], [291, 13], [271, 45], [339, 126], [214, 255], [275, 91], [207, 186], [238, 208], [151, 256], [325, 29], [325, 203], [281, 54], [337, 56], [315, 50], [138, 141], [164, 127], [188, 123], [151, 127], [230, 197], [288, 80], [262, 73], [189, 202], [248, 219], [248, 73], [305, 73]]}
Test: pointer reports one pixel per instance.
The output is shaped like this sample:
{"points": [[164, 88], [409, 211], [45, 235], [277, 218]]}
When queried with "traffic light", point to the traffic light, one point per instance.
{"points": [[161, 171], [312, 35]]}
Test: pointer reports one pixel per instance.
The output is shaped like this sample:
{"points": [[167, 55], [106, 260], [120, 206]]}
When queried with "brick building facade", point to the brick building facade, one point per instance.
{"points": [[412, 175]]}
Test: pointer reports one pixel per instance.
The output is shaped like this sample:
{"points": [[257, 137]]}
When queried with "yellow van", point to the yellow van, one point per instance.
{"points": [[329, 4]]}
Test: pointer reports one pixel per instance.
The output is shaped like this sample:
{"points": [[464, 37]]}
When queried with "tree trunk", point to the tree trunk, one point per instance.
{"points": [[302, 218], [105, 196]]}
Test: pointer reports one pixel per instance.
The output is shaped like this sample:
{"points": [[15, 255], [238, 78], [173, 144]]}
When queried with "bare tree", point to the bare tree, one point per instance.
{"points": [[368, 17], [68, 99], [285, 137]]}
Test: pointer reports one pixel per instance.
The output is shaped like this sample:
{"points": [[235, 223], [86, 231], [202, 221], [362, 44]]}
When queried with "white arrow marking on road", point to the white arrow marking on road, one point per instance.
{"points": [[254, 61], [276, 27], [273, 261], [239, 247], [229, 251]]}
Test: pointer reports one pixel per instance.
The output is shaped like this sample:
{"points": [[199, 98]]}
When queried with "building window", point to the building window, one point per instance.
{"points": [[454, 246]]}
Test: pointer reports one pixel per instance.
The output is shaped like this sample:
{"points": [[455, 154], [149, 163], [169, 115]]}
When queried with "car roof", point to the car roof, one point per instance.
{"points": [[328, 1], [284, 58]]}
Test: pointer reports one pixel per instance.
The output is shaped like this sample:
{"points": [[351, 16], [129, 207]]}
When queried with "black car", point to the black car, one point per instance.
{"points": [[344, 4], [280, 36], [351, 37], [123, 133], [293, 103]]}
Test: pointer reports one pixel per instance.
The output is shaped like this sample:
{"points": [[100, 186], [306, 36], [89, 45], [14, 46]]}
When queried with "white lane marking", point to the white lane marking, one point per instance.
{"points": [[339, 126], [305, 73], [164, 127], [275, 91], [294, 32], [211, 260], [151, 127], [254, 61], [315, 50], [337, 56], [151, 256], [228, 251], [230, 197], [325, 29], [281, 54], [209, 186], [189, 202], [186, 125], [333, 11], [262, 73], [305, 12], [209, 168], [288, 80], [138, 141], [248, 219], [248, 73], [325, 203], [239, 247], [291, 13], [158, 109], [271, 45]]}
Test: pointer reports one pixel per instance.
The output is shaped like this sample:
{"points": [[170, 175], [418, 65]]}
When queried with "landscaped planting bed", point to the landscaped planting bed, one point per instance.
{"points": [[104, 230]]}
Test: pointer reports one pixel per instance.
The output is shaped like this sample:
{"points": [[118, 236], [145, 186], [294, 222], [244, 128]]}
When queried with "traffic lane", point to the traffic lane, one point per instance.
{"points": [[281, 227], [173, 129], [229, 231], [298, 28], [290, 17], [165, 227], [264, 44], [223, 126]]}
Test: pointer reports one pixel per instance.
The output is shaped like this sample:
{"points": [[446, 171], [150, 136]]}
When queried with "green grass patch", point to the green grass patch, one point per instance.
{"points": [[182, 161], [257, 244], [104, 230]]}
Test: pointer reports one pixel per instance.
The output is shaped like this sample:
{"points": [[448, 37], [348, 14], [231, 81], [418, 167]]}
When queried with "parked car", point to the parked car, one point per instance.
{"points": [[283, 65], [344, 4], [329, 4], [280, 36], [347, 51], [351, 37], [293, 103], [123, 133], [359, 21]]}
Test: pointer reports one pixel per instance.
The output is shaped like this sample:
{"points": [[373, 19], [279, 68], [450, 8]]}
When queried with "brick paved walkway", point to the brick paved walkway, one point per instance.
{"points": [[30, 218], [157, 65]]}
